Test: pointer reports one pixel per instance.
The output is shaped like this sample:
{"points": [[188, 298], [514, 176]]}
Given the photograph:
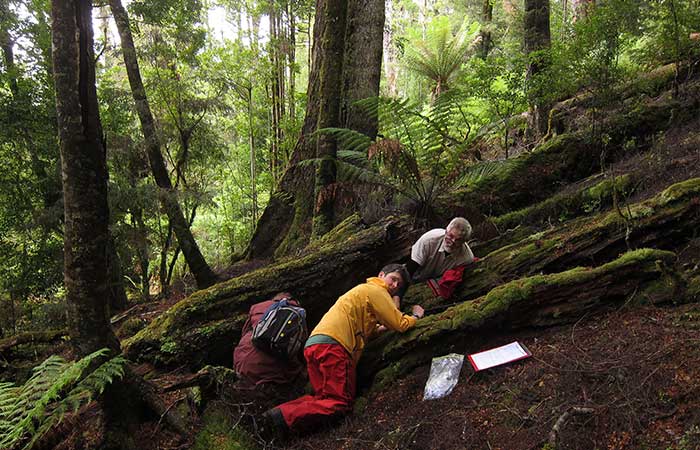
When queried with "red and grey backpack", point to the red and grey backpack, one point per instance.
{"points": [[282, 330]]}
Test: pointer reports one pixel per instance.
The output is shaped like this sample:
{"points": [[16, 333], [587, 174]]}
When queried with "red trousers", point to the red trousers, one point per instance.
{"points": [[332, 375]]}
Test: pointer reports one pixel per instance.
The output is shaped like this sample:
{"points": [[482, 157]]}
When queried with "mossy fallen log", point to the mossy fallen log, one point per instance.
{"points": [[569, 157], [594, 195], [204, 327], [542, 300], [665, 221], [31, 337]]}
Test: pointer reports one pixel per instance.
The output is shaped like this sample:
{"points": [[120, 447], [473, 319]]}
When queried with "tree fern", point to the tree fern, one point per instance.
{"points": [[440, 56], [419, 154], [56, 388]]}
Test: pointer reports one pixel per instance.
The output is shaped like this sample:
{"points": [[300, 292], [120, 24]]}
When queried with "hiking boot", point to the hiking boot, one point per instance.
{"points": [[272, 426]]}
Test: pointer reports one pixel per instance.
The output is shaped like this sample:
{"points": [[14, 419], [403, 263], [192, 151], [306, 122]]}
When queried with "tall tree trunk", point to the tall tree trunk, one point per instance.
{"points": [[537, 38], [329, 109], [294, 198], [291, 60], [253, 171], [84, 171], [117, 293], [163, 266], [276, 88], [364, 40], [203, 274], [142, 250], [8, 46], [390, 52], [486, 24]]}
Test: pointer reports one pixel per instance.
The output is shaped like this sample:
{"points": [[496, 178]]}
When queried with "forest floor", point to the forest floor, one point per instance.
{"points": [[634, 371]]}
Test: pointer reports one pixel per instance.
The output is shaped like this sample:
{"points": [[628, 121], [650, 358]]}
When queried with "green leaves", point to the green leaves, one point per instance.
{"points": [[419, 154], [56, 388], [440, 56]]}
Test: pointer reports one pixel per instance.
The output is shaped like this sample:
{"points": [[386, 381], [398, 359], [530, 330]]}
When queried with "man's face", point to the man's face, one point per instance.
{"points": [[453, 239], [393, 280]]}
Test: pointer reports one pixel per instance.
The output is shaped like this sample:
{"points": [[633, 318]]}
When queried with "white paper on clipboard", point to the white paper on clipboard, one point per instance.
{"points": [[499, 355]]}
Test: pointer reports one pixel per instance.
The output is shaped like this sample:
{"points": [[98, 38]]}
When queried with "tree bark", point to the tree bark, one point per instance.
{"points": [[203, 274], [333, 39], [202, 328], [537, 39], [7, 46], [84, 171], [486, 25], [363, 56], [286, 223]]}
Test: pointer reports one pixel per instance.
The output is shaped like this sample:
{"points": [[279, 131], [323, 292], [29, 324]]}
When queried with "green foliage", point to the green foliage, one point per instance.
{"points": [[666, 26], [418, 155], [55, 389], [439, 57], [593, 54], [500, 82]]}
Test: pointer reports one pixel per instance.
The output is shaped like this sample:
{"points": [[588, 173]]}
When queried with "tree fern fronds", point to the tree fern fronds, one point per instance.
{"points": [[358, 159], [103, 376], [484, 171], [55, 388], [347, 139]]}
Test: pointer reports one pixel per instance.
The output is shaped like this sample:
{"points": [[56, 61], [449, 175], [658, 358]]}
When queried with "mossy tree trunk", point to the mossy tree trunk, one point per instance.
{"points": [[201, 271], [333, 39], [286, 223], [203, 328], [537, 301], [570, 157], [84, 172], [537, 43], [665, 221]]}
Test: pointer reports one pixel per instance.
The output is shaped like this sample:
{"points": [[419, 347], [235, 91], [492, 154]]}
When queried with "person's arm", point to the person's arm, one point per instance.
{"points": [[388, 315], [411, 267], [469, 256]]}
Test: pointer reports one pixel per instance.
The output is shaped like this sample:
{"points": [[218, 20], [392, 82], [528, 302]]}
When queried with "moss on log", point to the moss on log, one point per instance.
{"points": [[204, 327], [31, 337], [573, 156], [664, 221], [568, 205], [541, 300]]}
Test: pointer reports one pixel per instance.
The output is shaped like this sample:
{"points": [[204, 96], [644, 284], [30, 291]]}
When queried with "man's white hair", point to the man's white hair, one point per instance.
{"points": [[461, 225]]}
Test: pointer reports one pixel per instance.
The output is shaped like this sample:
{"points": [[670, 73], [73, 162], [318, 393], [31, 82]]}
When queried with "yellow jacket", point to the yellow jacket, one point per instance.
{"points": [[354, 316]]}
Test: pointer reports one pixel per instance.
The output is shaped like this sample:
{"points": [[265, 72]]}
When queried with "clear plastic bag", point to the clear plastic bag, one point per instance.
{"points": [[444, 374]]}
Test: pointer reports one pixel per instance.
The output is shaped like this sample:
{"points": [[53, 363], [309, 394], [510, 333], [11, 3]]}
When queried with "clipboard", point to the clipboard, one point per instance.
{"points": [[504, 354]]}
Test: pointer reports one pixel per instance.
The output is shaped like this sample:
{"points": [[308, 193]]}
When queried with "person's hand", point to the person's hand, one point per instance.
{"points": [[418, 311], [397, 301]]}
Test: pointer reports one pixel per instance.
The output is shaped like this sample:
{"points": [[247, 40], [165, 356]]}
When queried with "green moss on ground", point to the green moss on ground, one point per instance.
{"points": [[221, 432]]}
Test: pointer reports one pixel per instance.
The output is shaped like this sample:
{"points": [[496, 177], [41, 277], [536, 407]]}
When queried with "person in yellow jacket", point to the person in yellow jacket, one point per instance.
{"points": [[335, 346]]}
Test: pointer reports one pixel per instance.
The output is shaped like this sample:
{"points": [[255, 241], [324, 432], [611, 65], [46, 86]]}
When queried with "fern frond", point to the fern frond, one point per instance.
{"points": [[348, 139], [484, 171], [55, 388]]}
